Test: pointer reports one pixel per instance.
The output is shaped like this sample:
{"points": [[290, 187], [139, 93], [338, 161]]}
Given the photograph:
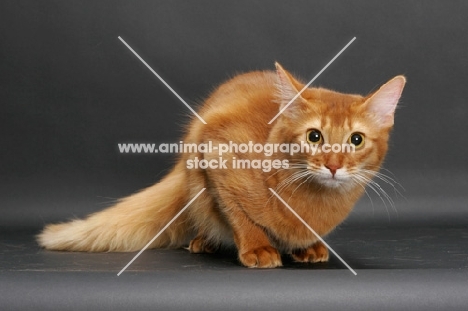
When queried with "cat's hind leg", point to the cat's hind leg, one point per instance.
{"points": [[200, 244]]}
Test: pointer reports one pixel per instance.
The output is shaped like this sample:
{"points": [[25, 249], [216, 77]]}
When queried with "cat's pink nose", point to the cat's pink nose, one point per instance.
{"points": [[333, 168]]}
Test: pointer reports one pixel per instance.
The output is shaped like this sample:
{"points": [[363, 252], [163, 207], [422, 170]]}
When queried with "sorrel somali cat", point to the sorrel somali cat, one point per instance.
{"points": [[237, 205]]}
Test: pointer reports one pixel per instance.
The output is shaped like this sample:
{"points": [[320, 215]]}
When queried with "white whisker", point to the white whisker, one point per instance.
{"points": [[363, 186]]}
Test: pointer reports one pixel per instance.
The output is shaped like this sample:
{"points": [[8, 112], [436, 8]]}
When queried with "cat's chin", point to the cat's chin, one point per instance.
{"points": [[332, 182]]}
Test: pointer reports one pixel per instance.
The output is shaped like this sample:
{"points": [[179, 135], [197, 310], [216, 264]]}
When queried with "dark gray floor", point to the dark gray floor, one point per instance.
{"points": [[438, 289], [361, 248], [397, 268]]}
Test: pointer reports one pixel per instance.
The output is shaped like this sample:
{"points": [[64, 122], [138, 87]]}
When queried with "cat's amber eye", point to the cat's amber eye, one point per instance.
{"points": [[357, 139], [314, 137]]}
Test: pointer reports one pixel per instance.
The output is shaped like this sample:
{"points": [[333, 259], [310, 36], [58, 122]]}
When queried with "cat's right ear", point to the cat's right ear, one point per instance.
{"points": [[287, 90]]}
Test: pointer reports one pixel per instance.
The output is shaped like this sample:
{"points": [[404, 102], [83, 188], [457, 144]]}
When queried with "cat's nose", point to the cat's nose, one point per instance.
{"points": [[333, 168]]}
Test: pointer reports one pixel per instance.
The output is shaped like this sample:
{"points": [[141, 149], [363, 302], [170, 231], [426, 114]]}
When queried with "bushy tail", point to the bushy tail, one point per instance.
{"points": [[130, 224]]}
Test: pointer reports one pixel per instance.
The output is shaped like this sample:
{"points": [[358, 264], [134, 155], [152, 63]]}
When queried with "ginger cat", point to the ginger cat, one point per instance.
{"points": [[237, 205]]}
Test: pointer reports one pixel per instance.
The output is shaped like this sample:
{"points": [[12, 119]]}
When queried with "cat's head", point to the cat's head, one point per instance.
{"points": [[332, 121]]}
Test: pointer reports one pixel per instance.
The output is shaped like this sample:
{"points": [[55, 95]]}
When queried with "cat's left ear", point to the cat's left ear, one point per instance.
{"points": [[382, 104], [287, 90]]}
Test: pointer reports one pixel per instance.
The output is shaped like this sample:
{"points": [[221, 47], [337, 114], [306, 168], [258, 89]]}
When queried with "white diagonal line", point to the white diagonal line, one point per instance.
{"points": [[313, 231], [313, 79], [160, 232], [162, 80]]}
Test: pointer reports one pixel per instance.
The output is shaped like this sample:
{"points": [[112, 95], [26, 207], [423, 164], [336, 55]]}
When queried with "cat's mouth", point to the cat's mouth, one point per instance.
{"points": [[333, 180]]}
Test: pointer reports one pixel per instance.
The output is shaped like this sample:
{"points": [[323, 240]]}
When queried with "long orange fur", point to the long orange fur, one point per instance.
{"points": [[237, 206]]}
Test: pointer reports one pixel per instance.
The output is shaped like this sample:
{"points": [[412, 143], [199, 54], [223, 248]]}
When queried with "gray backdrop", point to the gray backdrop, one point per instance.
{"points": [[70, 91]]}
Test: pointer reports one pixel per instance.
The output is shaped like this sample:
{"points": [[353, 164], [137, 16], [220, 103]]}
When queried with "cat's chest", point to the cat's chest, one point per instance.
{"points": [[321, 213]]}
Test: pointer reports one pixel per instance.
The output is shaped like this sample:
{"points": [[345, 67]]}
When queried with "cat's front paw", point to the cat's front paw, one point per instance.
{"points": [[261, 257], [316, 253]]}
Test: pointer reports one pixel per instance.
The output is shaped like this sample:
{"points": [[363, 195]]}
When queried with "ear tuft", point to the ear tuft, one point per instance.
{"points": [[382, 104], [286, 87]]}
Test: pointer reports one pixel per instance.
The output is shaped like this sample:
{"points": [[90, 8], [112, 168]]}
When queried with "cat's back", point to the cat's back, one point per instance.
{"points": [[248, 84], [249, 94]]}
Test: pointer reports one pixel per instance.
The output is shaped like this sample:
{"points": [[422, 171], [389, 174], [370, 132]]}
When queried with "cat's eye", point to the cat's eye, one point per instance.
{"points": [[357, 139], [314, 137]]}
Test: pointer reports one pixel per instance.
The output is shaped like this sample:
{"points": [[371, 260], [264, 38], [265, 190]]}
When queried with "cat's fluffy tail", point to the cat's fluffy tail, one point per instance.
{"points": [[130, 224]]}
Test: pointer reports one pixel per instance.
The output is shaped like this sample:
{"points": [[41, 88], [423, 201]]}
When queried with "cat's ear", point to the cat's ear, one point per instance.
{"points": [[287, 90], [382, 103]]}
